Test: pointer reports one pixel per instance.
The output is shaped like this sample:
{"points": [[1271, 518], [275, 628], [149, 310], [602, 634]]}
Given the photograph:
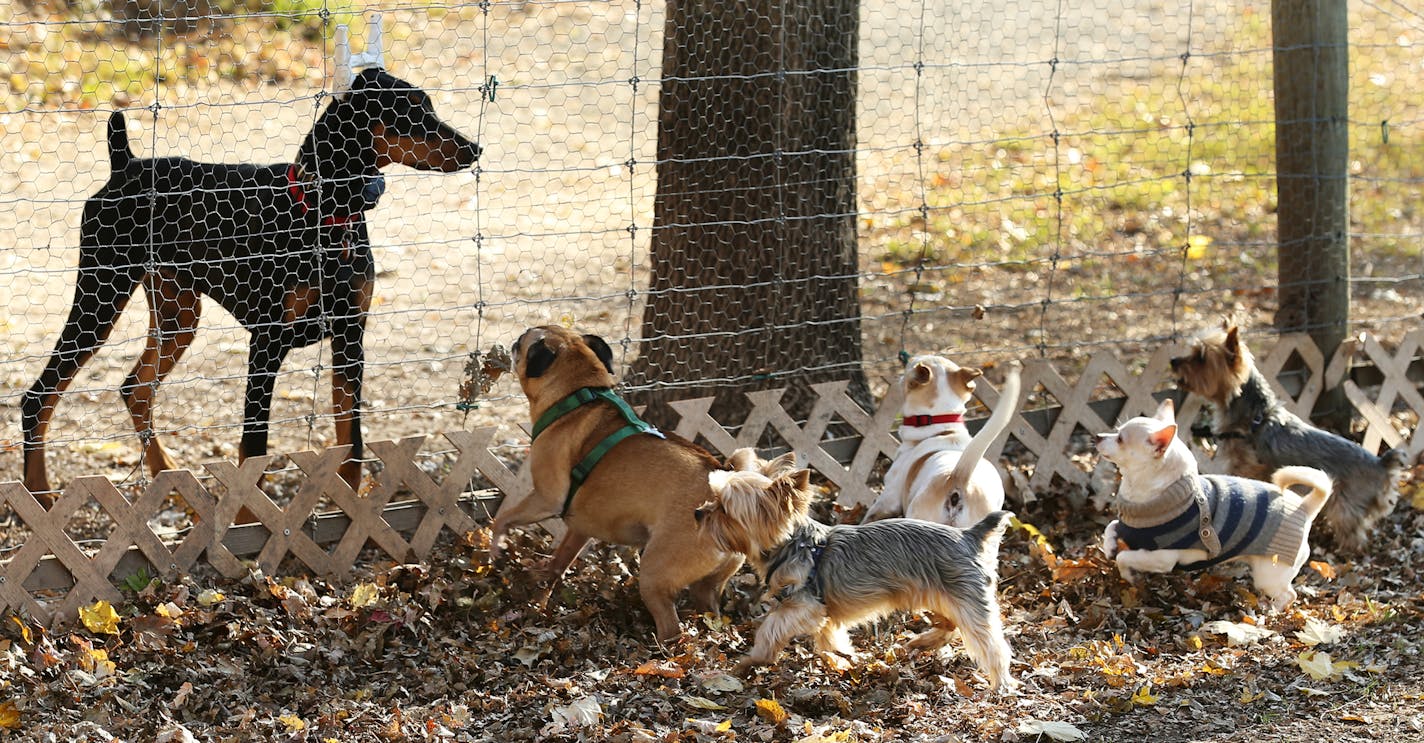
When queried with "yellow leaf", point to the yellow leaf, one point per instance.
{"points": [[168, 610], [1194, 642], [1213, 669], [1416, 495], [24, 630], [1319, 666], [292, 722], [97, 662], [364, 594], [724, 726], [210, 597], [1144, 696], [1248, 696], [100, 618], [771, 711], [9, 715], [1197, 246]]}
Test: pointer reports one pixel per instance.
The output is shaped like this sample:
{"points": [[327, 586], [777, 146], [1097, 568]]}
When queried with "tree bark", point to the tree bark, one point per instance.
{"points": [[754, 273]]}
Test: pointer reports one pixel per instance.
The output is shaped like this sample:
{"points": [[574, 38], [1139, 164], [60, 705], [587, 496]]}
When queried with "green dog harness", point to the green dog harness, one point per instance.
{"points": [[633, 425]]}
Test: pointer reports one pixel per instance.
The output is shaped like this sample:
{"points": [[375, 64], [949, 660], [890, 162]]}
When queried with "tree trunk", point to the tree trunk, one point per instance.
{"points": [[754, 274]]}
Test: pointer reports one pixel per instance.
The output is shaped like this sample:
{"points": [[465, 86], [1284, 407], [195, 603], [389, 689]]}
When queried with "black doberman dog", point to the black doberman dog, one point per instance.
{"points": [[284, 248]]}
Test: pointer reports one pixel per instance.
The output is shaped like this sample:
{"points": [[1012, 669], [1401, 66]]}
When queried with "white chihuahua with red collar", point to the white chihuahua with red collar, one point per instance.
{"points": [[939, 473]]}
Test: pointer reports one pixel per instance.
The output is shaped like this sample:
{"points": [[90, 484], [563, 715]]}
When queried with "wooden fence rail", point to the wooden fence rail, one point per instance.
{"points": [[407, 510]]}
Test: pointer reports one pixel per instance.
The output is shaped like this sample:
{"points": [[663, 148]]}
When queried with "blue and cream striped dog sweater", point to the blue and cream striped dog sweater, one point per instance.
{"points": [[1228, 517]]}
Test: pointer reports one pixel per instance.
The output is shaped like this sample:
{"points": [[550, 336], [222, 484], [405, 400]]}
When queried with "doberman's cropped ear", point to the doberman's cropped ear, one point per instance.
{"points": [[538, 359], [601, 350]]}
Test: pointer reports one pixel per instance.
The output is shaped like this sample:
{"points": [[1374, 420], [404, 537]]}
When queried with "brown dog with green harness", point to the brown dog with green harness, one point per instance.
{"points": [[612, 477]]}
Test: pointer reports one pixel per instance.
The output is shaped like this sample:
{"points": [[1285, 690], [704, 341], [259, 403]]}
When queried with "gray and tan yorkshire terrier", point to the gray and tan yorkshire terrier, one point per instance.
{"points": [[828, 579], [1259, 435]]}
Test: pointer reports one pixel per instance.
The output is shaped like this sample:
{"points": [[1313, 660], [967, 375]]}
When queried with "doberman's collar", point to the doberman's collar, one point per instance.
{"points": [[632, 425], [930, 420], [297, 186]]}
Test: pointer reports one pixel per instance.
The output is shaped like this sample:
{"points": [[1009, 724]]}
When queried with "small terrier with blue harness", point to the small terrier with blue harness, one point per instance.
{"points": [[1169, 516], [828, 579], [612, 477]]}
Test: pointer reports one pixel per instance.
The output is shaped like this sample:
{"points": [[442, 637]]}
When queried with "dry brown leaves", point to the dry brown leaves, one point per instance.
{"points": [[455, 650]]}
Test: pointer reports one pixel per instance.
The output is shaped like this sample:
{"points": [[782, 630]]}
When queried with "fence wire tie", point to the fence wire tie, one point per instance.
{"points": [[490, 86]]}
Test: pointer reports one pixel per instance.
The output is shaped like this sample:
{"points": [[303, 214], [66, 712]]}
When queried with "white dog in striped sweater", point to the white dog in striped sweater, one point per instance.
{"points": [[1170, 516]]}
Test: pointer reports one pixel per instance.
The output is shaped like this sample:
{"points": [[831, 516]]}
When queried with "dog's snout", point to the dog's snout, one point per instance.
{"points": [[1175, 362], [699, 514]]}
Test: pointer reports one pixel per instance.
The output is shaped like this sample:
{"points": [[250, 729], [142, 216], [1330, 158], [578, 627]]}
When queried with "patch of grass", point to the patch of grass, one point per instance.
{"points": [[1179, 164]]}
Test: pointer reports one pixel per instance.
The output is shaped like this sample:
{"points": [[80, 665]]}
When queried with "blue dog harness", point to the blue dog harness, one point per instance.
{"points": [[632, 425]]}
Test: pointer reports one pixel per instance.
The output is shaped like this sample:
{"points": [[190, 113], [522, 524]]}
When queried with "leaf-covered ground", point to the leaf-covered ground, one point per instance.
{"points": [[454, 650]]}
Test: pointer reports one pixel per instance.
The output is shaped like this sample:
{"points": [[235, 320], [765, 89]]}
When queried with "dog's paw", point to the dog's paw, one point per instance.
{"points": [[744, 668]]}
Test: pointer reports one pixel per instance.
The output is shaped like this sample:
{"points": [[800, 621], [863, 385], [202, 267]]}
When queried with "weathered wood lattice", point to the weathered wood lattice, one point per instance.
{"points": [[407, 510]]}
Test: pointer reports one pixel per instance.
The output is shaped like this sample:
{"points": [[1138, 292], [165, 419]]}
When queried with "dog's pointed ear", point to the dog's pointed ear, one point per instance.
{"points": [[538, 359], [967, 375], [1161, 439], [743, 459], [919, 375], [1166, 411], [601, 350], [783, 463], [1232, 344], [801, 479]]}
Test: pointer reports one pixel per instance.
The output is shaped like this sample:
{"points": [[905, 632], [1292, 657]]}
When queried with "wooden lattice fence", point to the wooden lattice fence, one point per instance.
{"points": [[407, 510]]}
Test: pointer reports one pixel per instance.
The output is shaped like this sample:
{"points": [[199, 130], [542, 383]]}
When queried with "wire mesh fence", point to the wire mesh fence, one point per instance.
{"points": [[1014, 179]]}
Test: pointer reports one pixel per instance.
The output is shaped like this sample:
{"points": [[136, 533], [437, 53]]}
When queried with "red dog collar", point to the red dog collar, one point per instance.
{"points": [[299, 194], [930, 420]]}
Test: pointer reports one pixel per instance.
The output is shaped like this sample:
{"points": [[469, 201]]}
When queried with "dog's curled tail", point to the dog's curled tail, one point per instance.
{"points": [[1319, 483], [998, 421], [119, 152]]}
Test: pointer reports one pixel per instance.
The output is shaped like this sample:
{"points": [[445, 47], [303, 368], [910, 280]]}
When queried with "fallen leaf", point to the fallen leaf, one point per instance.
{"points": [[719, 683], [664, 669], [1316, 632], [24, 630], [1145, 697], [364, 594], [1326, 570], [580, 713], [100, 618], [771, 711], [292, 722], [9, 715], [1237, 633], [210, 597], [1318, 665], [1060, 731], [701, 702], [175, 733]]}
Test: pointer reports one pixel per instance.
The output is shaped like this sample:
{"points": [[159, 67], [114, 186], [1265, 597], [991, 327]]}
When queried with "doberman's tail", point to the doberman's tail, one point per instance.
{"points": [[119, 152]]}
